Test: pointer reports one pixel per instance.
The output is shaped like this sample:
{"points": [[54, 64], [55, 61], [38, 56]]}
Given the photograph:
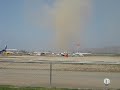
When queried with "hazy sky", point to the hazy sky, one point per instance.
{"points": [[32, 24]]}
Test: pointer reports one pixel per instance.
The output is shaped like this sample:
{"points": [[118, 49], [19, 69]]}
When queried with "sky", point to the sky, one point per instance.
{"points": [[59, 24]]}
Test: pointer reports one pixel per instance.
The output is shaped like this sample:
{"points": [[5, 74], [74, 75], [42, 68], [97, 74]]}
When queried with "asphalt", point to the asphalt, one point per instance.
{"points": [[17, 71], [43, 59], [71, 79]]}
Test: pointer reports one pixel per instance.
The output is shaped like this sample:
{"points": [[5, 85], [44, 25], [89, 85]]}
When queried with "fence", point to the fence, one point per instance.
{"points": [[58, 74]]}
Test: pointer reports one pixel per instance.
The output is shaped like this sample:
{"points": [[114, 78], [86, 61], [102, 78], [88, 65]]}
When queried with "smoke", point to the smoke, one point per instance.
{"points": [[68, 18]]}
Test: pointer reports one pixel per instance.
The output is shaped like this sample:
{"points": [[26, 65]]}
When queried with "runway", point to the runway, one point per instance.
{"points": [[80, 60], [71, 79], [71, 72]]}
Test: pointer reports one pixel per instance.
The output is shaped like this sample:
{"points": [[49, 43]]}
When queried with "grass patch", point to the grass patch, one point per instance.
{"points": [[7, 87]]}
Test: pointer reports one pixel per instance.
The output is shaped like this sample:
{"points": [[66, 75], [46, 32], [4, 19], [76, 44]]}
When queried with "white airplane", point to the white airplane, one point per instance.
{"points": [[11, 49], [81, 54]]}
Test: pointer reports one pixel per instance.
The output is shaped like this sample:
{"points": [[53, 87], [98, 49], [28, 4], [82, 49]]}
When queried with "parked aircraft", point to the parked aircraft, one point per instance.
{"points": [[4, 50], [81, 54]]}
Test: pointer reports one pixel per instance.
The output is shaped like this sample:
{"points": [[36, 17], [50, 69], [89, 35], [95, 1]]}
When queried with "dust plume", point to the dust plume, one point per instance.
{"points": [[68, 18], [71, 17]]}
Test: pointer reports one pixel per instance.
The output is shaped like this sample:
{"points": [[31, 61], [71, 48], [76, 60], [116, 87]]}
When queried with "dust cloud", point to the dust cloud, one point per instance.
{"points": [[68, 18]]}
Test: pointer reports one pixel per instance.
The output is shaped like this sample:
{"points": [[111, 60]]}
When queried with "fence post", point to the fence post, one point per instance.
{"points": [[50, 73]]}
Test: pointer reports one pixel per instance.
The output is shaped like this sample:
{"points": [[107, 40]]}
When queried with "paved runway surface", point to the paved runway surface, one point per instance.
{"points": [[84, 60], [16, 71], [69, 79]]}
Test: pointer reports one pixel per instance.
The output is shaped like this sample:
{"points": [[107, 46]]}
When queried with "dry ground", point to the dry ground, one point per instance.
{"points": [[68, 67]]}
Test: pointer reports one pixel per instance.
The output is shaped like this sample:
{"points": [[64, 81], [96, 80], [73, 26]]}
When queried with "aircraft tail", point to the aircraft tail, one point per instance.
{"points": [[4, 50], [5, 47]]}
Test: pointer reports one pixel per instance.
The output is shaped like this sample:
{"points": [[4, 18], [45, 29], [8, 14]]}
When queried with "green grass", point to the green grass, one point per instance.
{"points": [[7, 87], [2, 87]]}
